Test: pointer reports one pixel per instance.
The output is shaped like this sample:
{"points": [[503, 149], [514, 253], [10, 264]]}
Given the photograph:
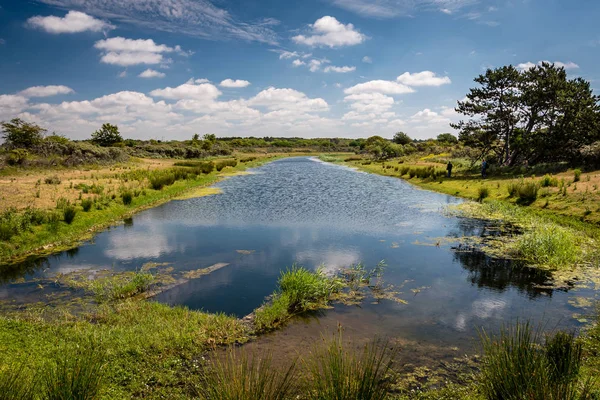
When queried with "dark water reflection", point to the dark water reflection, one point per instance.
{"points": [[305, 211]]}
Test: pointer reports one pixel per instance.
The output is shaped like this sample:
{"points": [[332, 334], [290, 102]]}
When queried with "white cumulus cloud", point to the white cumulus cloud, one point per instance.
{"points": [[424, 78], [126, 52], [150, 73], [238, 83], [342, 70], [73, 22], [203, 91], [328, 31], [566, 65], [46, 91], [367, 59], [379, 86], [276, 99]]}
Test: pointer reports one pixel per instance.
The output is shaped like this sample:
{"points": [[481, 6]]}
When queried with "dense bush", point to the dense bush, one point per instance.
{"points": [[512, 188], [576, 175], [127, 197], [483, 193], [549, 180], [69, 213], [17, 157], [527, 192], [20, 134], [86, 204], [52, 180], [219, 165], [108, 135]]}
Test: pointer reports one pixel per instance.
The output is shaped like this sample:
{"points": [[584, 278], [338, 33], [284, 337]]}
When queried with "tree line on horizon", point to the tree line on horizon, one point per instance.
{"points": [[513, 117]]}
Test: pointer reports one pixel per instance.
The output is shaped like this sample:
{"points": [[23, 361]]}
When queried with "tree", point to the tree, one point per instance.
{"points": [[494, 107], [535, 115], [20, 134], [401, 138], [106, 136], [210, 137], [447, 138]]}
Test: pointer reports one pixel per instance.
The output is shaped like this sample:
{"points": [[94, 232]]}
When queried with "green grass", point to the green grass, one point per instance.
{"points": [[150, 348], [330, 371], [336, 373], [21, 233], [518, 364], [299, 290], [550, 245], [243, 377], [15, 383], [483, 193], [73, 374], [121, 286], [544, 241], [527, 193]]}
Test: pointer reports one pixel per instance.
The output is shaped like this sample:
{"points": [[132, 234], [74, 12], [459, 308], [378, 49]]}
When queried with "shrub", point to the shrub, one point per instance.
{"points": [[576, 175], [69, 213], [225, 163], [18, 133], [527, 193], [52, 180], [17, 157], [61, 203], [86, 204], [513, 188], [549, 180], [483, 193], [127, 197], [247, 159], [108, 135]]}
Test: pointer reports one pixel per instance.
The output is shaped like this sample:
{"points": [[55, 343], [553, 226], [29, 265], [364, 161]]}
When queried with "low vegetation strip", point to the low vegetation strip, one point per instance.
{"points": [[96, 201]]}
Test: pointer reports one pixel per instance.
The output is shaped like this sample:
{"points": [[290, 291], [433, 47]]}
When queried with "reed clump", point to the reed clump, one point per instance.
{"points": [[523, 364], [298, 290], [483, 193]]}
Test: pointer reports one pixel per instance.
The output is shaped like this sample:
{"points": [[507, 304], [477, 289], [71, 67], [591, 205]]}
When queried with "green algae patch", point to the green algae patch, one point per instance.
{"points": [[245, 252], [199, 192], [197, 273]]}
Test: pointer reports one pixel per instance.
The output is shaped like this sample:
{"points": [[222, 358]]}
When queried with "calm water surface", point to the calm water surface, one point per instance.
{"points": [[301, 210]]}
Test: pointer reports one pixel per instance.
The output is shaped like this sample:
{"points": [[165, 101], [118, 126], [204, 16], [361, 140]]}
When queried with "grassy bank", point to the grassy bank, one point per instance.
{"points": [[556, 237], [146, 349], [73, 205]]}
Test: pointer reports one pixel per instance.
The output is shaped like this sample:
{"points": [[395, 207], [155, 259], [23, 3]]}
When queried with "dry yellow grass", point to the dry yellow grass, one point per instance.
{"points": [[28, 189]]}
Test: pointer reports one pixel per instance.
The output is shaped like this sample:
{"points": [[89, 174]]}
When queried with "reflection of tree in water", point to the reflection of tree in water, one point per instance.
{"points": [[498, 274], [10, 272]]}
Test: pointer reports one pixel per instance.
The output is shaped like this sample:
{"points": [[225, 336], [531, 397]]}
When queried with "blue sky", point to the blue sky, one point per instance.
{"points": [[167, 69]]}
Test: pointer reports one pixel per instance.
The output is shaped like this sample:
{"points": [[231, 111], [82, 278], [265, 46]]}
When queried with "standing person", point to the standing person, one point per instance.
{"points": [[449, 168], [484, 166]]}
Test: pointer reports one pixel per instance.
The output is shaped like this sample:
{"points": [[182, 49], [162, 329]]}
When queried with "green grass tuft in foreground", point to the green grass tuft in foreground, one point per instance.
{"points": [[336, 373], [519, 365], [298, 290], [244, 377]]}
